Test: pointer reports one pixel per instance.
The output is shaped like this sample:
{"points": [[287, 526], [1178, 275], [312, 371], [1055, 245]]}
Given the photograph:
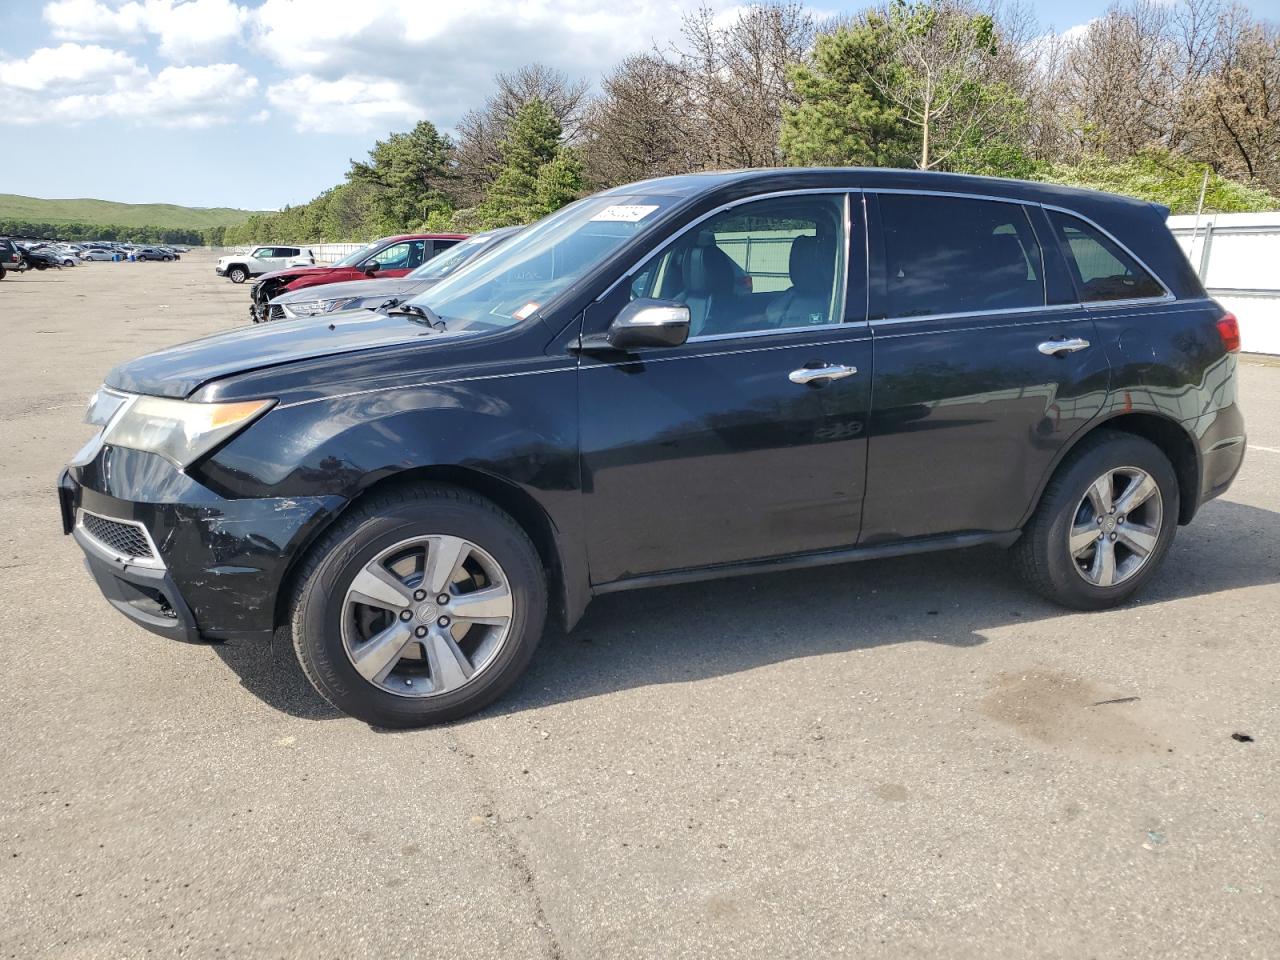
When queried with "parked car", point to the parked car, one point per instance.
{"points": [[367, 294], [98, 253], [39, 257], [152, 253], [240, 267], [388, 257], [920, 361], [10, 257]]}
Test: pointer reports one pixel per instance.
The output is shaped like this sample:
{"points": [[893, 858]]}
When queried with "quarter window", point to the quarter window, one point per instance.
{"points": [[956, 255], [1102, 270], [765, 265]]}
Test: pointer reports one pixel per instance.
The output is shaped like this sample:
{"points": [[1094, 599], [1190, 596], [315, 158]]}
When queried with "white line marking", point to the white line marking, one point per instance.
{"points": [[1254, 446]]}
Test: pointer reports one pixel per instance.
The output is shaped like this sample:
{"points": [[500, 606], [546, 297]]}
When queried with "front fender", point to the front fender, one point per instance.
{"points": [[520, 430]]}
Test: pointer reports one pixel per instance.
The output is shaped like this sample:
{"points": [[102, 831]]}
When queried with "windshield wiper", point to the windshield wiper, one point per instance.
{"points": [[418, 313]]}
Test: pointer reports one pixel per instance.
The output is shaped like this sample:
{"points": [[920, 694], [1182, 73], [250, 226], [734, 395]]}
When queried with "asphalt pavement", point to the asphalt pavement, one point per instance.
{"points": [[898, 758]]}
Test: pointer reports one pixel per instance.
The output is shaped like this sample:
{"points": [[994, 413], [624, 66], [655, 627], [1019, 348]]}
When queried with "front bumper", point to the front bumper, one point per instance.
{"points": [[220, 270], [218, 564]]}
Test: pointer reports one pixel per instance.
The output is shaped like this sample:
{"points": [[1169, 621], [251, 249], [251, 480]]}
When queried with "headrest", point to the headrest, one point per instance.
{"points": [[811, 263]]}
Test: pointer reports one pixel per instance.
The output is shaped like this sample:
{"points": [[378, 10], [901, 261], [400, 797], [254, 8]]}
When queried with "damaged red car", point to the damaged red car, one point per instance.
{"points": [[388, 257]]}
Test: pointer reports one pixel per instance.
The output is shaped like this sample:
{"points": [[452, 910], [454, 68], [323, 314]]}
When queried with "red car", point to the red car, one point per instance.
{"points": [[388, 257]]}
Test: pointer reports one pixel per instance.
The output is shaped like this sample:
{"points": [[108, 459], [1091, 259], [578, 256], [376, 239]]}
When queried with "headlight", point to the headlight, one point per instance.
{"points": [[178, 430], [314, 308]]}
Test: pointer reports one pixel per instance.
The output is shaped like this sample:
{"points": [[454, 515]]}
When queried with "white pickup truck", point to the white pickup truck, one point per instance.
{"points": [[240, 267]]}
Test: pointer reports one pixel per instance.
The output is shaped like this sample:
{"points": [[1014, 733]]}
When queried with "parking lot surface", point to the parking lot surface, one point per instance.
{"points": [[890, 759]]}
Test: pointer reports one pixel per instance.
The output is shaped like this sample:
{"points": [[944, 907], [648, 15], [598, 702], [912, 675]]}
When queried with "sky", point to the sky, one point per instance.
{"points": [[262, 103]]}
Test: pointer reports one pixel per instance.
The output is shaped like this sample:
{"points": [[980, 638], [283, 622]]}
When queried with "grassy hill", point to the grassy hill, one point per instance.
{"points": [[35, 210]]}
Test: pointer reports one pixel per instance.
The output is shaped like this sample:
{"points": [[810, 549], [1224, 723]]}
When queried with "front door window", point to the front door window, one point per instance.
{"points": [[771, 264]]}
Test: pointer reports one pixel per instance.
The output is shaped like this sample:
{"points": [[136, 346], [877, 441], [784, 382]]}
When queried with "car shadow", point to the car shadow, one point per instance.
{"points": [[702, 630]]}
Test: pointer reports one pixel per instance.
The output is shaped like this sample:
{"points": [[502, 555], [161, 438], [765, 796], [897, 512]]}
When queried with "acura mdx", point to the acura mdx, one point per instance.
{"points": [[679, 379]]}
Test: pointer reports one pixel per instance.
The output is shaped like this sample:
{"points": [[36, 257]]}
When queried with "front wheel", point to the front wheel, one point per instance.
{"points": [[237, 274], [422, 605], [1104, 524]]}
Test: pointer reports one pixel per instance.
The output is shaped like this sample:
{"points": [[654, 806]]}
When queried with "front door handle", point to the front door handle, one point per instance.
{"points": [[1052, 348], [833, 372]]}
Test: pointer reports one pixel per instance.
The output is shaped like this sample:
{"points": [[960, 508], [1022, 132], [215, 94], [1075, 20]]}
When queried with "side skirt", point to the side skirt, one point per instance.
{"points": [[902, 548]]}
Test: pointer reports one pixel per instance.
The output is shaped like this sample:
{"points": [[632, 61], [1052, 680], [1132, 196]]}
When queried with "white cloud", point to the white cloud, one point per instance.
{"points": [[348, 104], [73, 83], [185, 30], [441, 57], [71, 67]]}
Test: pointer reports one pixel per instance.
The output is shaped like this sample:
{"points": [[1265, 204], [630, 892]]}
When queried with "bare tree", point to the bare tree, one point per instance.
{"points": [[954, 76], [733, 79], [638, 127]]}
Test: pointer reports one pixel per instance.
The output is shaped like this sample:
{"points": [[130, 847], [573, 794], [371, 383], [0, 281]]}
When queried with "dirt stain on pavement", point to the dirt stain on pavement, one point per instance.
{"points": [[1067, 711]]}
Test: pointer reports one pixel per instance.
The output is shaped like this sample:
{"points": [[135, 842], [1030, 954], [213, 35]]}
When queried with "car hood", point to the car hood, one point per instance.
{"points": [[387, 287], [296, 272], [179, 371]]}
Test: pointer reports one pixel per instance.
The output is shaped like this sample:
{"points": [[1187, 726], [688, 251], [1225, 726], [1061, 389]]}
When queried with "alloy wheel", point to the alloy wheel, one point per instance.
{"points": [[426, 616], [1117, 526]]}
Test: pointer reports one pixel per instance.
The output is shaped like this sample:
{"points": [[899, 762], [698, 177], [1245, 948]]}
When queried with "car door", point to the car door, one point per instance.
{"points": [[748, 441], [397, 259], [985, 366]]}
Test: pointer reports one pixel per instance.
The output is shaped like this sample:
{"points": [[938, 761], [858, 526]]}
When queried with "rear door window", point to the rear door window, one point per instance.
{"points": [[1101, 268], [958, 255]]}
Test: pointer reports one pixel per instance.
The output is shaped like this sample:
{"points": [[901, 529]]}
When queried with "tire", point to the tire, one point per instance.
{"points": [[2, 272], [1084, 580], [331, 630], [237, 274], [168, 259]]}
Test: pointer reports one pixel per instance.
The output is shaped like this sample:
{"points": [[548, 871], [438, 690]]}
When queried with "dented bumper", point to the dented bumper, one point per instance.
{"points": [[175, 557]]}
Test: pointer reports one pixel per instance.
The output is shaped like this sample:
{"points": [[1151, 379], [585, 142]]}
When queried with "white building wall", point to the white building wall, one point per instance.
{"points": [[1237, 256]]}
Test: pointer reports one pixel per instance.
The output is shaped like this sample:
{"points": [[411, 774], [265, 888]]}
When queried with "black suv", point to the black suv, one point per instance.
{"points": [[10, 256], [680, 379]]}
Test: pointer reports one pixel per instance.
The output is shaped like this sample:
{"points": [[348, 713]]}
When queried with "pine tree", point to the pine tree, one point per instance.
{"points": [[537, 175]]}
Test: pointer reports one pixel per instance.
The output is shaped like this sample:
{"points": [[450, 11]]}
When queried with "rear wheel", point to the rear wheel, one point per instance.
{"points": [[423, 605], [237, 274], [1104, 525]]}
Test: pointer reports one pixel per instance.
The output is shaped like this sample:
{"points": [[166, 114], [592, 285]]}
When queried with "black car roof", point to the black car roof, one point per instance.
{"points": [[793, 178]]}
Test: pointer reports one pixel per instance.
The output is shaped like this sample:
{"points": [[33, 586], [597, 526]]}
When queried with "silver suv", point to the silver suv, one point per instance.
{"points": [[240, 267]]}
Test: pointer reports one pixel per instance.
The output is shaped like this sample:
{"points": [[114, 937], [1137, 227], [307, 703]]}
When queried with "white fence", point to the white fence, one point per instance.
{"points": [[1237, 256], [324, 252]]}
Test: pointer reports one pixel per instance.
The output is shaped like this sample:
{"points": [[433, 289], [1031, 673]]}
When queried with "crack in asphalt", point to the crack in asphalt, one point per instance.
{"points": [[514, 858]]}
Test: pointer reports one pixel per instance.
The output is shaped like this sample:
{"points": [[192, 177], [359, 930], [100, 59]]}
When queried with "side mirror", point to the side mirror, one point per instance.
{"points": [[649, 323], [370, 268]]}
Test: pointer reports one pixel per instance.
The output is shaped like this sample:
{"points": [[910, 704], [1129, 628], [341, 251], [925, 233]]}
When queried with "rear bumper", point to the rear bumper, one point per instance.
{"points": [[219, 564], [1220, 440]]}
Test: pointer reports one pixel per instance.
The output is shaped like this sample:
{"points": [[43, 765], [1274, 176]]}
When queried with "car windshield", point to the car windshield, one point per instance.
{"points": [[351, 259], [527, 272], [443, 264]]}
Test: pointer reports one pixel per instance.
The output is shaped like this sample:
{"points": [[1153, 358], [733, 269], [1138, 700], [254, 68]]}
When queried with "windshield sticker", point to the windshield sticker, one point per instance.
{"points": [[525, 311], [625, 213]]}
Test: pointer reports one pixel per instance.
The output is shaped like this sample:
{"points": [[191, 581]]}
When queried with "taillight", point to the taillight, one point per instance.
{"points": [[1229, 331]]}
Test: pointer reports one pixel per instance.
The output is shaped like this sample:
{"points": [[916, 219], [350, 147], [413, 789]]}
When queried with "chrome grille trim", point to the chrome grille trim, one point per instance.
{"points": [[125, 541]]}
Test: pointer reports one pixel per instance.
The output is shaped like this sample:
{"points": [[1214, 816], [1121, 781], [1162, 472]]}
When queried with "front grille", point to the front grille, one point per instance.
{"points": [[126, 539]]}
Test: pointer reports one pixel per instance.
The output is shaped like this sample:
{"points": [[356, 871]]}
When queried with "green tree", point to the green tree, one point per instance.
{"points": [[841, 118], [411, 173], [537, 174], [1162, 177]]}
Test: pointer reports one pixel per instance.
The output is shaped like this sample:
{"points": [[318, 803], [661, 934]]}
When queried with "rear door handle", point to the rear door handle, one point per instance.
{"points": [[1051, 348], [809, 374]]}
